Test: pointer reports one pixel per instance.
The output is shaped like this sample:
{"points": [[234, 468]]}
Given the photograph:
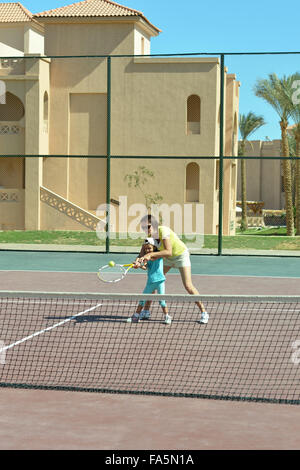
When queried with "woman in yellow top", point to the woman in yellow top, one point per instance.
{"points": [[175, 254]]}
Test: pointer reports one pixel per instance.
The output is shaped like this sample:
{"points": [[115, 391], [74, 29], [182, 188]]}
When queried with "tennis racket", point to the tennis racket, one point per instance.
{"points": [[113, 273]]}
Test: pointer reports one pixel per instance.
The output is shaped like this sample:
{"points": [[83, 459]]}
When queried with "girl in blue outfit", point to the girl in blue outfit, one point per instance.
{"points": [[155, 283]]}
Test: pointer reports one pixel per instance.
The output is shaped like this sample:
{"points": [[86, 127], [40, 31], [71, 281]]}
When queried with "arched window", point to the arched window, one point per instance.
{"points": [[192, 182], [46, 111], [12, 109], [193, 114]]}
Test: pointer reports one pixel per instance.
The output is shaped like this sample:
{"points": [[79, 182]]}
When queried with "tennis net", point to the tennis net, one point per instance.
{"points": [[249, 349]]}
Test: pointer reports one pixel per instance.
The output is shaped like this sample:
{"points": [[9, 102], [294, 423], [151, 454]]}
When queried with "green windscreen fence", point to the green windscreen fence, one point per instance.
{"points": [[84, 156]]}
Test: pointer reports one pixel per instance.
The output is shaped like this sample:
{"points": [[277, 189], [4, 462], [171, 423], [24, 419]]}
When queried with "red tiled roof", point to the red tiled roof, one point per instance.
{"points": [[93, 8], [14, 13]]}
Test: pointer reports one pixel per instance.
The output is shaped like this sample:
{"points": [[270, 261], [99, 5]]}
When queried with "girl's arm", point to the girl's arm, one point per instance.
{"points": [[137, 261]]}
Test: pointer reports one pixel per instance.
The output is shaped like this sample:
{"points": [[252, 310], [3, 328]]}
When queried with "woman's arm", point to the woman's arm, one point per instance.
{"points": [[142, 252], [167, 251], [137, 261]]}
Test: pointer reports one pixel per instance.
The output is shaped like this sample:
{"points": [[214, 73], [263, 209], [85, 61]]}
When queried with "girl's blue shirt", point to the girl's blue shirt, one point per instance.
{"points": [[155, 270]]}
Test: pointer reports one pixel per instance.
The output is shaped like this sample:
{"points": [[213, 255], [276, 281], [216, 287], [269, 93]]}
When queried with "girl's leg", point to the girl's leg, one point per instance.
{"points": [[148, 302], [145, 311], [139, 308], [161, 291], [143, 304]]}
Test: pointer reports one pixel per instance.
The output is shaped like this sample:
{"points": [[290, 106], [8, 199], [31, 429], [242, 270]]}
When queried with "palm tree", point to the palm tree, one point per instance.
{"points": [[292, 150], [296, 134], [248, 124], [278, 92], [295, 114]]}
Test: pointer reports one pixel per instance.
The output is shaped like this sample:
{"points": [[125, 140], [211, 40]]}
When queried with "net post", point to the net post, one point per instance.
{"points": [[108, 155], [221, 154]]}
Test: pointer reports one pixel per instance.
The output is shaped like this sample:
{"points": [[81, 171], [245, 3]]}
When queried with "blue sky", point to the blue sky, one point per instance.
{"points": [[192, 26]]}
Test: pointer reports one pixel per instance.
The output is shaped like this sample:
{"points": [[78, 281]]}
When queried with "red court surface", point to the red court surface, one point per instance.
{"points": [[76, 420], [37, 419]]}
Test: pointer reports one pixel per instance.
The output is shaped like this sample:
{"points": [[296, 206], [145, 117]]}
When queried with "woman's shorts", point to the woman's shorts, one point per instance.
{"points": [[181, 261]]}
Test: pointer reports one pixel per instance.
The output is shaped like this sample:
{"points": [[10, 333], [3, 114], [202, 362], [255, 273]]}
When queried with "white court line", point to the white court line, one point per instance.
{"points": [[48, 329], [51, 327]]}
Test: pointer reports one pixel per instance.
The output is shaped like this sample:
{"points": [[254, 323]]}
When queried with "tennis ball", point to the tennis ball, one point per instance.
{"points": [[111, 264]]}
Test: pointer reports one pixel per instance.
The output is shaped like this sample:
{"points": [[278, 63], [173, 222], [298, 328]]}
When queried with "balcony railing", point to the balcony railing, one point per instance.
{"points": [[12, 67]]}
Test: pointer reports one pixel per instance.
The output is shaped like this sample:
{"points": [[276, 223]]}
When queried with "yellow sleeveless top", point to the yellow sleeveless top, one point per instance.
{"points": [[178, 247]]}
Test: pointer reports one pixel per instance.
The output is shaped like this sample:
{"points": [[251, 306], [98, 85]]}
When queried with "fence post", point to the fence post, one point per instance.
{"points": [[108, 154], [221, 155]]}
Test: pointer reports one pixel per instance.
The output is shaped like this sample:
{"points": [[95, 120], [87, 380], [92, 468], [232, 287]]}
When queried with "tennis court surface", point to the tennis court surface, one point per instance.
{"points": [[191, 386]]}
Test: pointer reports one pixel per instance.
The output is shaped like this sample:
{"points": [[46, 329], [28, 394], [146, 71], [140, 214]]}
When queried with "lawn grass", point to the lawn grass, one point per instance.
{"points": [[58, 237], [265, 239], [252, 242], [263, 231]]}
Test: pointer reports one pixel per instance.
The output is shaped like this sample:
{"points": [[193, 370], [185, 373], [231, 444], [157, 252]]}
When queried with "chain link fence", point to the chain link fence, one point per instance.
{"points": [[91, 144]]}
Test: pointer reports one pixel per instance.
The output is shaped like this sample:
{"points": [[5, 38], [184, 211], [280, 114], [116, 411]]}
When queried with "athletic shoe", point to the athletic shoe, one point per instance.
{"points": [[204, 317], [168, 320], [145, 315], [135, 318]]}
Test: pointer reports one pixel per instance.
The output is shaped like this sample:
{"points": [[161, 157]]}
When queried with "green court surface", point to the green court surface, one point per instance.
{"points": [[201, 264]]}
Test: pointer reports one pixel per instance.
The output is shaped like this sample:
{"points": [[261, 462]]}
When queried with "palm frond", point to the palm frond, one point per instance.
{"points": [[278, 93], [295, 111], [249, 123]]}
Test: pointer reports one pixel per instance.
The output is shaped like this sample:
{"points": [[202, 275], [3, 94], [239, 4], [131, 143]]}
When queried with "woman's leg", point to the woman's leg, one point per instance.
{"points": [[166, 269], [186, 276]]}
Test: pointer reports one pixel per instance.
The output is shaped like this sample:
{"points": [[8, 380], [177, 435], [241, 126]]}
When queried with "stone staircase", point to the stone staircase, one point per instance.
{"points": [[69, 209]]}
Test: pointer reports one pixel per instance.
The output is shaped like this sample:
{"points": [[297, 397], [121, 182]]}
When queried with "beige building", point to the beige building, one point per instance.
{"points": [[264, 176], [57, 105]]}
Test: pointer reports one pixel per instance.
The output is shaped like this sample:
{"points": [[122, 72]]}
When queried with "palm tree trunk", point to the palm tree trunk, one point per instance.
{"points": [[298, 184], [244, 222], [287, 180]]}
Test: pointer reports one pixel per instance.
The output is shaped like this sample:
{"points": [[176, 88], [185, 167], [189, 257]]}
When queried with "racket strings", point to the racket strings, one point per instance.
{"points": [[111, 274]]}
